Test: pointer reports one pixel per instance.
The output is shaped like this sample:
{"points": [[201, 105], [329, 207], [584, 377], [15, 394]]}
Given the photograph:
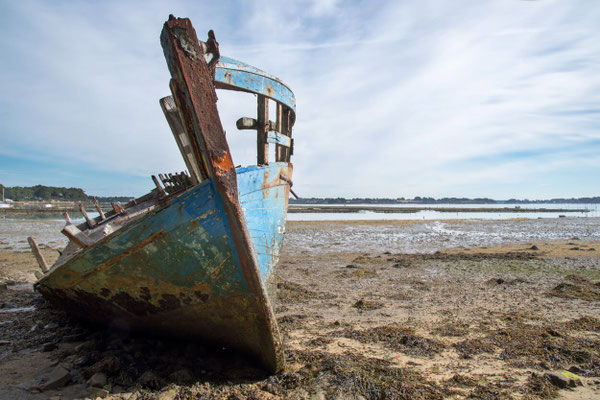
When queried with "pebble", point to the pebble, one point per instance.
{"points": [[56, 379], [98, 380], [563, 379], [48, 346]]}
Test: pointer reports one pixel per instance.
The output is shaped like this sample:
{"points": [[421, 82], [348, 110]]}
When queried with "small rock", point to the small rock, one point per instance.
{"points": [[534, 247], [3, 286], [98, 380], [563, 379], [48, 346], [56, 379], [150, 380], [98, 392], [109, 365], [29, 385]]}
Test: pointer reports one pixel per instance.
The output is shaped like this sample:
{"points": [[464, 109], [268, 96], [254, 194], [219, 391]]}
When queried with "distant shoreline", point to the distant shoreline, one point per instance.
{"points": [[296, 208]]}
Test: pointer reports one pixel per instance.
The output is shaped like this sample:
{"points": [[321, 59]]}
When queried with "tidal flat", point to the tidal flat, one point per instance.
{"points": [[367, 310]]}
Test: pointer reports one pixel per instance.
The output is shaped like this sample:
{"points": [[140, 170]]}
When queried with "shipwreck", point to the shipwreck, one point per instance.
{"points": [[195, 257]]}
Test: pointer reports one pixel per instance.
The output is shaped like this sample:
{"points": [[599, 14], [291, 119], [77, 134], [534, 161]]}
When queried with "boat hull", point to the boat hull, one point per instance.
{"points": [[176, 270]]}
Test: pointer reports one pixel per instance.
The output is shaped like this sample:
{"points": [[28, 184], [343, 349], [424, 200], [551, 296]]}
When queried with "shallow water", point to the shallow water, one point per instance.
{"points": [[431, 236], [591, 210]]}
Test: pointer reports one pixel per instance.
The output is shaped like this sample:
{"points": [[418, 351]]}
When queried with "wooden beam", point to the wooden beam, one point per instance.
{"points": [[98, 208], [279, 150], [118, 209], [90, 222], [280, 140], [287, 131], [38, 254], [76, 236], [262, 127], [181, 137], [161, 191]]}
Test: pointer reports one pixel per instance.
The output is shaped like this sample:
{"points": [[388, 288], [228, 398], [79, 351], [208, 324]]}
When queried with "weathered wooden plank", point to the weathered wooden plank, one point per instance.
{"points": [[286, 129], [262, 126], [279, 149], [38, 254], [246, 123], [280, 140], [236, 75], [118, 209], [161, 191], [76, 236], [181, 137]]}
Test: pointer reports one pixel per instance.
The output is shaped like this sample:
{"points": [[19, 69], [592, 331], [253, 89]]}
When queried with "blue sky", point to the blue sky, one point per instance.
{"points": [[394, 98]]}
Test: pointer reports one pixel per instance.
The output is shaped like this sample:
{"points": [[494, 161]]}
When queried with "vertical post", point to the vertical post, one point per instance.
{"points": [[262, 126], [90, 222], [285, 129], [161, 192], [98, 208], [38, 254], [279, 150]]}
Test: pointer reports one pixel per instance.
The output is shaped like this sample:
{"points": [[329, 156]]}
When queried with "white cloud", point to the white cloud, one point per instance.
{"points": [[394, 98]]}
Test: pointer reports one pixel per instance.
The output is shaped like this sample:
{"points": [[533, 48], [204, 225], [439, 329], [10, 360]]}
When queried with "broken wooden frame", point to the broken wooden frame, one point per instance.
{"points": [[229, 74]]}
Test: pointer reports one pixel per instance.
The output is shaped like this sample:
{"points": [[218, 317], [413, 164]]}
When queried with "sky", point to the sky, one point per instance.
{"points": [[461, 98]]}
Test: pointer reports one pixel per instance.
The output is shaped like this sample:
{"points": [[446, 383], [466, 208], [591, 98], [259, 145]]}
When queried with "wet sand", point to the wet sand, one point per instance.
{"points": [[367, 310]]}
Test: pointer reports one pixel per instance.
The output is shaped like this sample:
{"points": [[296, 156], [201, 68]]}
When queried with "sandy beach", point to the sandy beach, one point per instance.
{"points": [[367, 309]]}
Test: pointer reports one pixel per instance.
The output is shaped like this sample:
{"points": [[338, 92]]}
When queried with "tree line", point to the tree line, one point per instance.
{"points": [[41, 193]]}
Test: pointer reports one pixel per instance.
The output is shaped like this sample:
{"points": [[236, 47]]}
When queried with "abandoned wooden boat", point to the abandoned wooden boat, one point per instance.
{"points": [[193, 257]]}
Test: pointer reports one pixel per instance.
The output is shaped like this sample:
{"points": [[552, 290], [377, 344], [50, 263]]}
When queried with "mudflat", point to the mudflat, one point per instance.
{"points": [[368, 310]]}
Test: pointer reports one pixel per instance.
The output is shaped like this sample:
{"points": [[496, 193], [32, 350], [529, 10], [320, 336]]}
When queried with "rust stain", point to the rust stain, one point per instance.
{"points": [[223, 162]]}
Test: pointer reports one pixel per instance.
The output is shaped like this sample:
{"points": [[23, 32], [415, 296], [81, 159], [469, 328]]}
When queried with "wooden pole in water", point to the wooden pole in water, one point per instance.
{"points": [[38, 254]]}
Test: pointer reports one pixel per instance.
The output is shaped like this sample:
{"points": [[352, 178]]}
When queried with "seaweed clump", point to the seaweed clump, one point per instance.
{"points": [[348, 375], [577, 287], [395, 338]]}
